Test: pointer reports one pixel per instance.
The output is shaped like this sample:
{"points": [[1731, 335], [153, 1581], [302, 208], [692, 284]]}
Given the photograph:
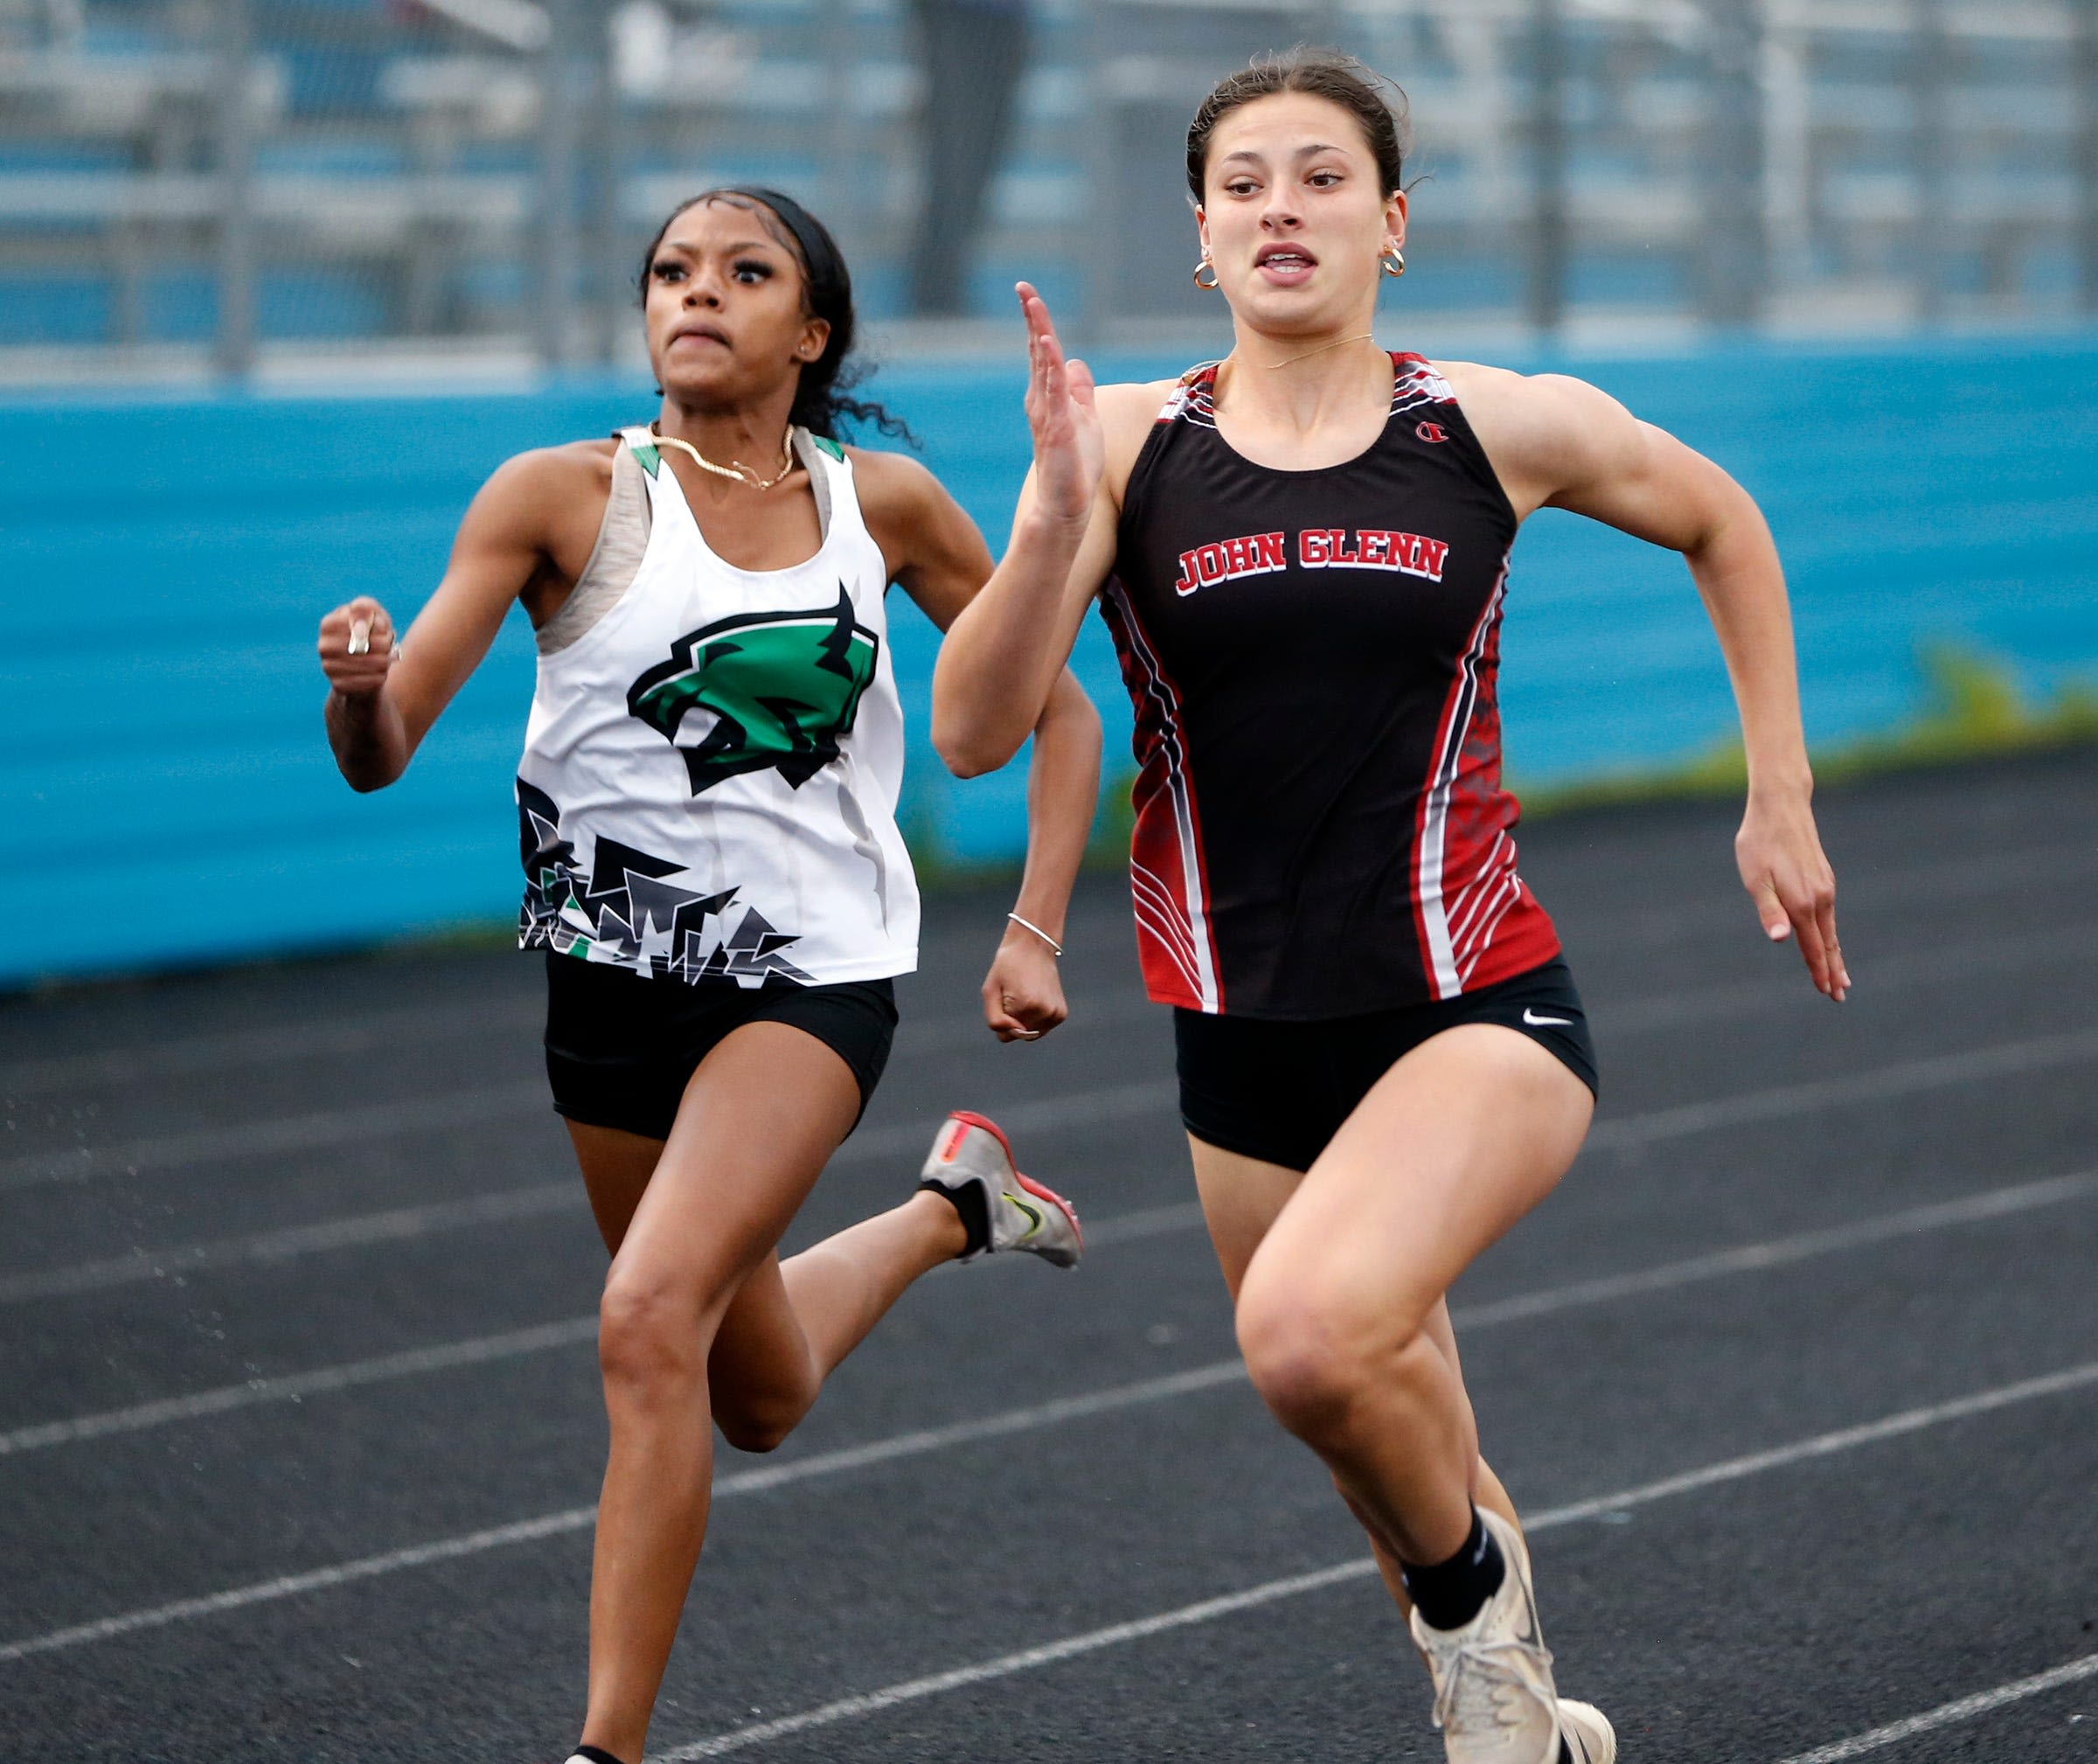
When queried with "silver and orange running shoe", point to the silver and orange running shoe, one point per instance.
{"points": [[972, 1164], [1494, 1697]]}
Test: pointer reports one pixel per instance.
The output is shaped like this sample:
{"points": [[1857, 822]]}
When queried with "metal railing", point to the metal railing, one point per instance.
{"points": [[214, 187]]}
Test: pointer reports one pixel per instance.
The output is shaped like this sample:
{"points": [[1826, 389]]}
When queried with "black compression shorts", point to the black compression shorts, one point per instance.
{"points": [[620, 1048], [1278, 1091]]}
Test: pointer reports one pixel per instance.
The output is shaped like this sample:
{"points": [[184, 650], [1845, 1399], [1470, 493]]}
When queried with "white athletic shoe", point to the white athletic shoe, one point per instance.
{"points": [[1585, 1734], [1494, 1697], [969, 1153]]}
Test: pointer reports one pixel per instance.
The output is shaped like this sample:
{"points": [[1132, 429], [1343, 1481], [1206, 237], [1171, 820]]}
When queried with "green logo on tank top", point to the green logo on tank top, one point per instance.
{"points": [[760, 690]]}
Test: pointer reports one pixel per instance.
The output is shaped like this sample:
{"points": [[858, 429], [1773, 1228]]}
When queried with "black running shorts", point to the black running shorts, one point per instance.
{"points": [[620, 1048], [1278, 1091]]}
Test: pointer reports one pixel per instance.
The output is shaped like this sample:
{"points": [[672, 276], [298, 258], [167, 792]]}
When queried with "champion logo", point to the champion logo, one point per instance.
{"points": [[1431, 431]]}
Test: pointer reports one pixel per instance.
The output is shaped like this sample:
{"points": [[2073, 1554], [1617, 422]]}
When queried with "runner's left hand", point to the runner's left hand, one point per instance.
{"points": [[1023, 994], [1788, 877]]}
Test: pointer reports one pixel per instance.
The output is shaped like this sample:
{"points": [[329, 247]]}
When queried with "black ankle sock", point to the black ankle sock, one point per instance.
{"points": [[1449, 1594], [967, 1200], [596, 1754]]}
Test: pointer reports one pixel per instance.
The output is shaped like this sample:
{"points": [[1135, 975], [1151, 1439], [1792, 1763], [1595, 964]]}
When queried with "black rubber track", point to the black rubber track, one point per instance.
{"points": [[278, 1173]]}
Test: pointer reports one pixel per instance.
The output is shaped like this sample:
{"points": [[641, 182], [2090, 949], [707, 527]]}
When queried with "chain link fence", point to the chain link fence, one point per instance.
{"points": [[234, 187]]}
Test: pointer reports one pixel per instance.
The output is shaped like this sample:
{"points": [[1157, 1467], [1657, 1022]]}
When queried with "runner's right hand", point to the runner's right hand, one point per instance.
{"points": [[1068, 451], [356, 647]]}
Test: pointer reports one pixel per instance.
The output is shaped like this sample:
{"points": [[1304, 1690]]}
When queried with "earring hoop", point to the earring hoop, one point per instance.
{"points": [[1214, 278], [1393, 261]]}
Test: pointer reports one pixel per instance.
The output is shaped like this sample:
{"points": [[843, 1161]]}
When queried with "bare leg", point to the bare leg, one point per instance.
{"points": [[1241, 1197], [1338, 1308], [794, 1321], [694, 1234]]}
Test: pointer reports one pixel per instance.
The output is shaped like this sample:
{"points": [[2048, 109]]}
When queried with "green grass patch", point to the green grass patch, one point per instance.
{"points": [[1973, 710]]}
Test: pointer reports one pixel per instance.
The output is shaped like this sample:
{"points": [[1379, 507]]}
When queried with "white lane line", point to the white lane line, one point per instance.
{"points": [[287, 1586], [1888, 974], [1710, 1475], [1081, 1108], [295, 1387], [1084, 1109], [578, 1518], [917, 1443], [265, 1247], [959, 1677], [442, 1356], [1946, 1714], [436, 1021], [309, 1132], [1952, 879], [1127, 1227], [1998, 1203], [1907, 1078], [482, 1106], [215, 1053], [364, 1124], [1150, 1222]]}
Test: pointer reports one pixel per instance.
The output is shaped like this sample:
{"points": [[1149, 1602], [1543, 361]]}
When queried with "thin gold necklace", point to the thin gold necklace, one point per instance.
{"points": [[1360, 337], [1231, 360], [736, 468]]}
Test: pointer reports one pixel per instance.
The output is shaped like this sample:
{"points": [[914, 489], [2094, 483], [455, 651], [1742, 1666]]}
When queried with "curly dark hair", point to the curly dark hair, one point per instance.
{"points": [[821, 401], [1324, 73]]}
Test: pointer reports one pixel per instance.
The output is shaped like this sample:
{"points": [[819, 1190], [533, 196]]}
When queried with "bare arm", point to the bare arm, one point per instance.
{"points": [[386, 694], [1004, 651], [1559, 443], [942, 563]]}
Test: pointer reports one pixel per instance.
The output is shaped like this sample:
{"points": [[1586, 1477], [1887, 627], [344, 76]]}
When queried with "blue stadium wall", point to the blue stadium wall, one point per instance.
{"points": [[170, 799]]}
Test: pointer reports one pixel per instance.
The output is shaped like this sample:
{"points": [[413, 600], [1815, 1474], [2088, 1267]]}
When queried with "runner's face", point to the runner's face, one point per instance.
{"points": [[725, 315], [1293, 213]]}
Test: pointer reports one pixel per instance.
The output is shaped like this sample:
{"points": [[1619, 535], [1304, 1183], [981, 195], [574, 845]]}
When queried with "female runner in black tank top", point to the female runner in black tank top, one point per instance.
{"points": [[1301, 551]]}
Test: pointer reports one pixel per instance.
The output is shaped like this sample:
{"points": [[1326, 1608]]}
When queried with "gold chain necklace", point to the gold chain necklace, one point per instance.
{"points": [[736, 468]]}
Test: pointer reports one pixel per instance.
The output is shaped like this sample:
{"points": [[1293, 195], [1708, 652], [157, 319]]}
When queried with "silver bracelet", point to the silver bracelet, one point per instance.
{"points": [[1055, 949]]}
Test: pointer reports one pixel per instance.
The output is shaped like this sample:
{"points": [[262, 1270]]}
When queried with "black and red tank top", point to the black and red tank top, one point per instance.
{"points": [[1321, 829]]}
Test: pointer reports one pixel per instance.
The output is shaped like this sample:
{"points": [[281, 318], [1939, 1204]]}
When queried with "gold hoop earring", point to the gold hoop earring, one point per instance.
{"points": [[1393, 261], [1214, 278]]}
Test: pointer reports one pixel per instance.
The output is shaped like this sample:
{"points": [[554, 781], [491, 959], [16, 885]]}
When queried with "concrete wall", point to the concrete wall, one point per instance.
{"points": [[164, 562]]}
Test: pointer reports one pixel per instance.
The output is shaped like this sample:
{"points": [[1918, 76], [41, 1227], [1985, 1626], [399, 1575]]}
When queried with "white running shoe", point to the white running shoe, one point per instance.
{"points": [[970, 1154], [1585, 1734], [1494, 1697]]}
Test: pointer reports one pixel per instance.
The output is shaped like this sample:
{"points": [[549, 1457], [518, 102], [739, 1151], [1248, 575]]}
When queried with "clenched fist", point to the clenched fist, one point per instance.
{"points": [[356, 647]]}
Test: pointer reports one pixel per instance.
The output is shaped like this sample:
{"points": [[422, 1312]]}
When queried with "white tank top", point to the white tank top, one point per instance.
{"points": [[708, 788]]}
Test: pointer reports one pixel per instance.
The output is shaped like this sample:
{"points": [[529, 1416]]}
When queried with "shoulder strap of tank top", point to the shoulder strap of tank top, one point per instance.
{"points": [[616, 558], [1414, 381], [1194, 396], [820, 456]]}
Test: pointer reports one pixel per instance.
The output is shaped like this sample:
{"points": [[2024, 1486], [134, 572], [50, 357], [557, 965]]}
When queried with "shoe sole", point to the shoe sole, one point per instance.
{"points": [[1597, 1739], [1039, 1190]]}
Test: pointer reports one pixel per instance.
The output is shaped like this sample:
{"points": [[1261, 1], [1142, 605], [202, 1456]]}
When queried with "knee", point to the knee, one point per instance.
{"points": [[1318, 1355], [649, 1338]]}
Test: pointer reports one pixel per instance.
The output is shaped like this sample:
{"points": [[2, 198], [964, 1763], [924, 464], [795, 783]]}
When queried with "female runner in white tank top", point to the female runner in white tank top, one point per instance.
{"points": [[706, 822], [1354, 1154]]}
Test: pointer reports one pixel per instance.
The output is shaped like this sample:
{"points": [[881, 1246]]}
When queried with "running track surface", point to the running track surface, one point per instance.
{"points": [[1796, 1375]]}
